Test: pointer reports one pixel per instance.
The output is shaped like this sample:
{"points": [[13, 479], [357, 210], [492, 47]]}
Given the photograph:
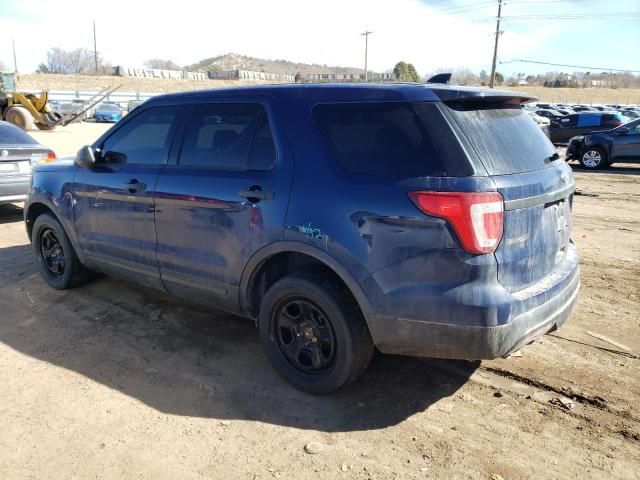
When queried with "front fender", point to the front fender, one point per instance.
{"points": [[53, 191]]}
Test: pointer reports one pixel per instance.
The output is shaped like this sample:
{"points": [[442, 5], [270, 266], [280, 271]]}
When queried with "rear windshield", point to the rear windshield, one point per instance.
{"points": [[507, 140], [12, 135], [379, 138]]}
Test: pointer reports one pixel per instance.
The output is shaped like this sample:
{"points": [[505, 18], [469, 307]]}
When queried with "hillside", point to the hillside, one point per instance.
{"points": [[234, 61], [88, 83]]}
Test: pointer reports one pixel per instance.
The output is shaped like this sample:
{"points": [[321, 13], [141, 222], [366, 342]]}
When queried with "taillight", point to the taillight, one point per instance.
{"points": [[477, 218], [51, 157], [617, 123]]}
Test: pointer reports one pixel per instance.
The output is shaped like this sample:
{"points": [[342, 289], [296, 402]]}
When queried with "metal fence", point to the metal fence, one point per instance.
{"points": [[119, 97]]}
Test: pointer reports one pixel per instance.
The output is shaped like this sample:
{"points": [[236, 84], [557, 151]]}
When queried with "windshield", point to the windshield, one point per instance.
{"points": [[507, 140], [7, 83], [107, 107], [11, 135]]}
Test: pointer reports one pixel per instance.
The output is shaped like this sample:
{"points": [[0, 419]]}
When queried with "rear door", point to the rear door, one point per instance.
{"points": [[114, 207], [224, 199], [536, 185]]}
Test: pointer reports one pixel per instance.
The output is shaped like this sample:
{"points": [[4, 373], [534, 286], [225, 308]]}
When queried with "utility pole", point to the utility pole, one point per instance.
{"points": [[366, 48], [15, 62], [495, 47], [95, 48]]}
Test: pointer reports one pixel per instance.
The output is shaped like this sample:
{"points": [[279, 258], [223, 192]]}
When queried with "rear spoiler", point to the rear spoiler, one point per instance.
{"points": [[481, 96]]}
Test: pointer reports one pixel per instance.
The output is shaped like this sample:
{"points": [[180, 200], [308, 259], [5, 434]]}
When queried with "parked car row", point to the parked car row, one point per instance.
{"points": [[106, 111], [569, 120]]}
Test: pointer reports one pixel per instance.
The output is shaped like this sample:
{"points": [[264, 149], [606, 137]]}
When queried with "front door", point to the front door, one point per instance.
{"points": [[114, 206], [224, 199]]}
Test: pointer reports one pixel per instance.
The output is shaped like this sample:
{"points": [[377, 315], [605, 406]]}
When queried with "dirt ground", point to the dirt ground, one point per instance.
{"points": [[94, 385]]}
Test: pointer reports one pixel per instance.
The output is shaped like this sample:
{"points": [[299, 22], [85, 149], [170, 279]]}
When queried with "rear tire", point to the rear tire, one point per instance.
{"points": [[58, 262], [593, 158], [313, 333], [20, 117]]}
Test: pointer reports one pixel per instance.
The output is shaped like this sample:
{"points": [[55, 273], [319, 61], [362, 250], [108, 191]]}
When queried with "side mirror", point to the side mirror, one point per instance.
{"points": [[114, 157], [623, 131], [85, 157]]}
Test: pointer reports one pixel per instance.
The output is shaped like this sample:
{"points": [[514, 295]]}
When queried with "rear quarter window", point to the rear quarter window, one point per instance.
{"points": [[379, 138], [12, 135]]}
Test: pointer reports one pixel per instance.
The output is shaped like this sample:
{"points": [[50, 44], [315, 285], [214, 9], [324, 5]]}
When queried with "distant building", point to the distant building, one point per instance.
{"points": [[348, 77], [250, 75], [124, 71]]}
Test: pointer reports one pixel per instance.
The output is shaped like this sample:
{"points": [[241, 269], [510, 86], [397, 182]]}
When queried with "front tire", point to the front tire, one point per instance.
{"points": [[20, 117], [593, 158], [314, 333], [58, 262]]}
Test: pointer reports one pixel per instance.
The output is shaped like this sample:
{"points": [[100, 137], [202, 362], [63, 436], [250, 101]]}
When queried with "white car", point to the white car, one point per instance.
{"points": [[539, 119]]}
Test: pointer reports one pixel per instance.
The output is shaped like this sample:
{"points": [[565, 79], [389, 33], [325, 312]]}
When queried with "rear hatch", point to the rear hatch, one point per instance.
{"points": [[536, 185]]}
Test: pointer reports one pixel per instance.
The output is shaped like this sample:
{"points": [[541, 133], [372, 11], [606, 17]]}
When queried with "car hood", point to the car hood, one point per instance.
{"points": [[107, 112]]}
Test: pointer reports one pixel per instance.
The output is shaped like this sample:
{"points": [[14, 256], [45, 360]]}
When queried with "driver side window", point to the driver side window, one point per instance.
{"points": [[145, 140]]}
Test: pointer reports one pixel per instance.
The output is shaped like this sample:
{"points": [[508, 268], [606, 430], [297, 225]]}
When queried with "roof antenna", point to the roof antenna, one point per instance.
{"points": [[443, 78]]}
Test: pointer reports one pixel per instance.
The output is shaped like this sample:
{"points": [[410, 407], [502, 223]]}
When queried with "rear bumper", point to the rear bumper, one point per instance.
{"points": [[14, 188], [474, 342]]}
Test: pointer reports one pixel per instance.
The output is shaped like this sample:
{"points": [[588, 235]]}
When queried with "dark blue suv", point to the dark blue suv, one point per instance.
{"points": [[422, 220]]}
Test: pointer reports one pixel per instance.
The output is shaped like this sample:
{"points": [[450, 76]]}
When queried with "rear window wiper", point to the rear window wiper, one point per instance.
{"points": [[552, 158]]}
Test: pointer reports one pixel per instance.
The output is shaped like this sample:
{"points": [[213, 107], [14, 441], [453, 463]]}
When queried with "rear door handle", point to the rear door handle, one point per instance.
{"points": [[258, 194], [135, 186]]}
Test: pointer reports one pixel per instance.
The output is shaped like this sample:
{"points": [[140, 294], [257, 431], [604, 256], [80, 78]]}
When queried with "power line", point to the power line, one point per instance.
{"points": [[610, 16], [519, 60]]}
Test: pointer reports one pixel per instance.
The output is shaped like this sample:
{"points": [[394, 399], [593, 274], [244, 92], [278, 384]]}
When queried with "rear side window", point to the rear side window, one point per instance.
{"points": [[379, 138], [221, 136], [506, 139], [12, 135]]}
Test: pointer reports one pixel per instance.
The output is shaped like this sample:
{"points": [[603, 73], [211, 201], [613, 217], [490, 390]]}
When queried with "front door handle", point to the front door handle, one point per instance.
{"points": [[256, 193], [135, 186]]}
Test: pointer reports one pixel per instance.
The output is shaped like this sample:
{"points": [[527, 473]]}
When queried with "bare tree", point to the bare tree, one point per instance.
{"points": [[78, 61], [464, 76], [161, 64]]}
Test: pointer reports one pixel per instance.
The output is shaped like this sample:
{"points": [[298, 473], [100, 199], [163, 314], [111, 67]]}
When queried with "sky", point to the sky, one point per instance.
{"points": [[431, 34]]}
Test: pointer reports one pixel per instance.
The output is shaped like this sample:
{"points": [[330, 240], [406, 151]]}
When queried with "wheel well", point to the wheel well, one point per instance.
{"points": [[280, 265], [35, 210]]}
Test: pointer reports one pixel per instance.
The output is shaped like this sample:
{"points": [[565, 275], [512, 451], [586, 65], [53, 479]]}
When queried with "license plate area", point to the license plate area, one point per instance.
{"points": [[8, 167], [561, 211]]}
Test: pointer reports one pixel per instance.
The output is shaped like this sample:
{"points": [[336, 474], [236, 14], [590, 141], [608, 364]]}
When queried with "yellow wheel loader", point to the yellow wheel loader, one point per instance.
{"points": [[25, 109]]}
